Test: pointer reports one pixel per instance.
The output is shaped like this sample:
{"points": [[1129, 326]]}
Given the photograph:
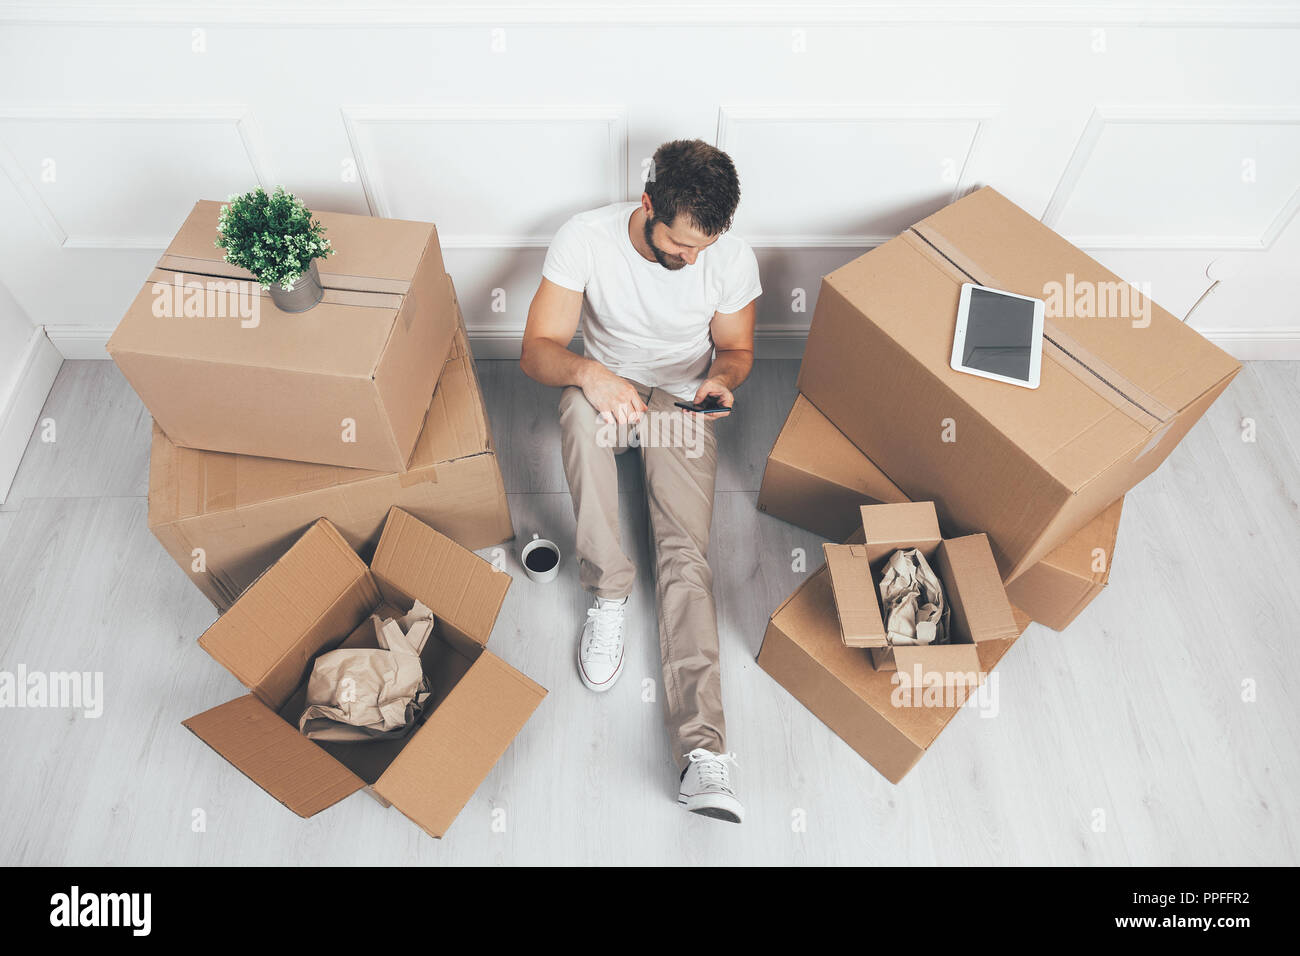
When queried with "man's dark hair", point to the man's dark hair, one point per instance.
{"points": [[696, 180]]}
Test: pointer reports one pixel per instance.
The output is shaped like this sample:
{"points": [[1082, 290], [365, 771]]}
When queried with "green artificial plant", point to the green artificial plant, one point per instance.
{"points": [[272, 236]]}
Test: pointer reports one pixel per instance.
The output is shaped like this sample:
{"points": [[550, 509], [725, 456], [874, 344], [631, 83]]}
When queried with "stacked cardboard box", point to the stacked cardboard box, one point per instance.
{"points": [[976, 602], [225, 518], [1041, 472], [347, 382], [817, 479], [1028, 467], [288, 449]]}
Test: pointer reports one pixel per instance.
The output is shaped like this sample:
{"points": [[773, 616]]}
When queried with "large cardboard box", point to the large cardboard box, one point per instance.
{"points": [[347, 382], [309, 602], [226, 518], [875, 712], [977, 605], [817, 479], [1029, 467], [1057, 589]]}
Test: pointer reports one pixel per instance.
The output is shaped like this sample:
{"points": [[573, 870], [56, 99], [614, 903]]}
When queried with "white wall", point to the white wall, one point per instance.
{"points": [[28, 364], [1164, 139]]}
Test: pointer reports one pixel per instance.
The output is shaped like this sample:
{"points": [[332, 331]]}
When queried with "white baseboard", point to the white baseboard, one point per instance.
{"points": [[1253, 345], [80, 341], [87, 342], [21, 404]]}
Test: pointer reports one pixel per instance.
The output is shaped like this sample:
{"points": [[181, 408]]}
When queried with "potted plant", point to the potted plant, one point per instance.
{"points": [[275, 237]]}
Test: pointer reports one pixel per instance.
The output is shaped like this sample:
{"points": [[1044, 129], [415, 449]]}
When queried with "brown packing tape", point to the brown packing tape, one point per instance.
{"points": [[172, 266], [411, 305], [205, 267], [1089, 368], [219, 487], [216, 268], [381, 300], [427, 474]]}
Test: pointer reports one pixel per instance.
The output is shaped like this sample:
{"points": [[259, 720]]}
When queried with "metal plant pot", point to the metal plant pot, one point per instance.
{"points": [[306, 292]]}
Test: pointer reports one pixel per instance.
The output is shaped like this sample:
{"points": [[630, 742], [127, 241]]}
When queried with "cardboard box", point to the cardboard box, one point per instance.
{"points": [[977, 604], [873, 711], [1057, 589], [307, 603], [817, 479], [1029, 467], [347, 382], [245, 512]]}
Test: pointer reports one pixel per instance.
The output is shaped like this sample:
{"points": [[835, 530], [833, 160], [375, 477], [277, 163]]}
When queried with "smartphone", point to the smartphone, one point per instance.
{"points": [[710, 405]]}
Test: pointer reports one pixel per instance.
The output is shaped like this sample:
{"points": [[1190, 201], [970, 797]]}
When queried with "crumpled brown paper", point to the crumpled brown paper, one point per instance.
{"points": [[912, 598], [370, 693]]}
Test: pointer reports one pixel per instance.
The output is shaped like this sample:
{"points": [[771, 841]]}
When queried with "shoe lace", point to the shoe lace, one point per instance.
{"points": [[714, 769], [606, 630]]}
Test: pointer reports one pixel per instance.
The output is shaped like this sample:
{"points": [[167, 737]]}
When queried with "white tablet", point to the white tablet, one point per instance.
{"points": [[999, 335]]}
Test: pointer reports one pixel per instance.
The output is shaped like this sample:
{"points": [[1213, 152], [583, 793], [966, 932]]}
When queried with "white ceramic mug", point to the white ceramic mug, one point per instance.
{"points": [[541, 577]]}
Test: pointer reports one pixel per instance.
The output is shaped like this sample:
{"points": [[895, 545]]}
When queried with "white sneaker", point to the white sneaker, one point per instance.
{"points": [[706, 786], [600, 649]]}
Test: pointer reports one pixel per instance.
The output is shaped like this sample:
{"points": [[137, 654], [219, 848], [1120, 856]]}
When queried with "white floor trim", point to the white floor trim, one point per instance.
{"points": [[87, 342], [1257, 344], [21, 405], [80, 341]]}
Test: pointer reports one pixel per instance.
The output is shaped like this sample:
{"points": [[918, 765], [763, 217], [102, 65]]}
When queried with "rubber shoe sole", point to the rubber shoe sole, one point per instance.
{"points": [[716, 811], [601, 688]]}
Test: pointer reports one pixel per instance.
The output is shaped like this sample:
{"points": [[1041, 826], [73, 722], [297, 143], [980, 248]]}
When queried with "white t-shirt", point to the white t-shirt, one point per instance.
{"points": [[640, 320]]}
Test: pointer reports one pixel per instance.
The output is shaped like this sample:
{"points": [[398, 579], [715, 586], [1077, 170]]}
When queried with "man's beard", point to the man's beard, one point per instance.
{"points": [[664, 259]]}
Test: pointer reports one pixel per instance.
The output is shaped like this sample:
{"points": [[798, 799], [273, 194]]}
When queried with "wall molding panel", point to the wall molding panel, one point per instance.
{"points": [[357, 119], [733, 119], [237, 116], [1104, 117]]}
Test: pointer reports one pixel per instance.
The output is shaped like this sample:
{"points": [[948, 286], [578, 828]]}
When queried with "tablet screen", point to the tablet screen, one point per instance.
{"points": [[999, 334]]}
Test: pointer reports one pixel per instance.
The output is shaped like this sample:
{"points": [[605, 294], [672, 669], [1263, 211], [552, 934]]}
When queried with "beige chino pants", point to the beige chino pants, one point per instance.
{"points": [[679, 460]]}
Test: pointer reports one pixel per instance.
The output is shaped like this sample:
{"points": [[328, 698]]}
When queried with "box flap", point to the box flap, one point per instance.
{"points": [[903, 524], [456, 424], [446, 760], [272, 754], [809, 442], [1076, 555], [947, 665], [854, 588], [370, 254], [280, 607], [459, 586], [974, 589]]}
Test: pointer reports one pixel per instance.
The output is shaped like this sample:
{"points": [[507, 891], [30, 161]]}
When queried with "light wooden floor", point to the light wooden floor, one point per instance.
{"points": [[1125, 740]]}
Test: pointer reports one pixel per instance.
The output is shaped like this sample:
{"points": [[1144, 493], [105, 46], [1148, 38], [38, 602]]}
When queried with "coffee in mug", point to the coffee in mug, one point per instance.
{"points": [[541, 559]]}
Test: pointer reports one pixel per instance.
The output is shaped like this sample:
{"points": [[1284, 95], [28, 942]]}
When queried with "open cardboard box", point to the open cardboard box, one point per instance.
{"points": [[245, 512], [282, 385], [313, 599], [978, 606], [868, 709]]}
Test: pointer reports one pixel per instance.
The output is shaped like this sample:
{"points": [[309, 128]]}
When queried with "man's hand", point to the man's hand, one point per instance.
{"points": [[713, 386], [612, 396]]}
